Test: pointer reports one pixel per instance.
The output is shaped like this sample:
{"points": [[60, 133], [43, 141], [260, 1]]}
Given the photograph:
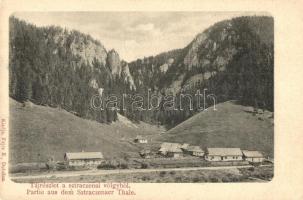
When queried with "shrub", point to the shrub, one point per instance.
{"points": [[178, 179], [60, 166], [214, 179], [145, 178], [144, 166], [123, 166], [235, 179], [251, 169], [106, 166], [162, 174], [225, 180], [172, 173], [196, 180]]}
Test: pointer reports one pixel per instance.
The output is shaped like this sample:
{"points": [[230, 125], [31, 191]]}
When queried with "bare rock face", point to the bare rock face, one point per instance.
{"points": [[93, 84], [113, 62], [166, 66], [81, 45], [89, 51], [126, 75], [191, 58]]}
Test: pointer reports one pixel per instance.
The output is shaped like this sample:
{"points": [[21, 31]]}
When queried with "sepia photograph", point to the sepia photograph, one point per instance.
{"points": [[141, 97]]}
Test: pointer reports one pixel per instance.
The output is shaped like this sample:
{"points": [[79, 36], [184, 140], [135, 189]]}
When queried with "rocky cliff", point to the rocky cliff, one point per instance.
{"points": [[232, 59]]}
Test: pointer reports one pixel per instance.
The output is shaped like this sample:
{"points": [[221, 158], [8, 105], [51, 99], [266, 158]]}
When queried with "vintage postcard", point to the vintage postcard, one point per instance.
{"points": [[101, 103]]}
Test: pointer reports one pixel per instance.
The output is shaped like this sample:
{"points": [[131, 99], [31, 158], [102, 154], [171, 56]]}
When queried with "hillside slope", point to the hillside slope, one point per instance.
{"points": [[39, 132], [233, 59], [231, 125]]}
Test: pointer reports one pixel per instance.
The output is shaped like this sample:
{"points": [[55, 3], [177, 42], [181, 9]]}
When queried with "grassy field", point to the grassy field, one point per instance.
{"points": [[202, 176], [231, 125], [39, 132]]}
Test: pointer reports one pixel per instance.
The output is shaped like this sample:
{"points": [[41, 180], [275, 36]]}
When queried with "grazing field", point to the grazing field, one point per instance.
{"points": [[231, 125], [40, 132]]}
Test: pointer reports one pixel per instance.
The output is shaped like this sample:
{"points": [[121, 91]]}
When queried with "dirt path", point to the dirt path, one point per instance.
{"points": [[123, 171]]}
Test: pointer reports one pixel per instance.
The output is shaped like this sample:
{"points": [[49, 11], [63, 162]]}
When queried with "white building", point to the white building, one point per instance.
{"points": [[78, 159], [223, 154], [171, 150], [195, 151], [140, 139], [253, 156]]}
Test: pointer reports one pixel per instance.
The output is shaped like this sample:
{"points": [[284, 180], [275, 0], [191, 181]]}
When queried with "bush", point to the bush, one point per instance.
{"points": [[178, 179], [145, 178], [106, 166], [251, 169], [61, 167], [214, 179], [172, 173], [196, 180], [162, 174], [225, 180], [123, 166], [235, 179], [144, 166]]}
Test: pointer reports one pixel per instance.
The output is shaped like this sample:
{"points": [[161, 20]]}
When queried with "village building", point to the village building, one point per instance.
{"points": [[140, 139], [223, 154], [81, 159], [184, 146], [145, 153], [253, 156], [195, 151], [171, 150]]}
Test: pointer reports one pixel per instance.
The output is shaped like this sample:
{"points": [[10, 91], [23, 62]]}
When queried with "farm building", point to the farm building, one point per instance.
{"points": [[253, 156], [79, 159], [184, 146], [195, 151], [140, 139], [223, 154], [171, 150], [145, 153]]}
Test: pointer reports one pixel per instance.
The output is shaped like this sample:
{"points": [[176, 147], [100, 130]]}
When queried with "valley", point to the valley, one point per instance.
{"points": [[62, 83]]}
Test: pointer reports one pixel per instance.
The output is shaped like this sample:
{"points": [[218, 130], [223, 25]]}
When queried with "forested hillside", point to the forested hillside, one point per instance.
{"points": [[232, 59], [60, 68]]}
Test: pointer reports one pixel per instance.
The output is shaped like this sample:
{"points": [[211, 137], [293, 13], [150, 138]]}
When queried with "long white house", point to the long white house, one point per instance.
{"points": [[253, 156], [223, 154], [77, 159]]}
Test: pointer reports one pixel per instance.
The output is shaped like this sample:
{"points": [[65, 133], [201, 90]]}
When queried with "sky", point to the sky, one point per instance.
{"points": [[134, 34]]}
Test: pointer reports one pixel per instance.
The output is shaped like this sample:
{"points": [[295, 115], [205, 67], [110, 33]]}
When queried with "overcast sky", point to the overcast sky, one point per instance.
{"points": [[134, 34]]}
